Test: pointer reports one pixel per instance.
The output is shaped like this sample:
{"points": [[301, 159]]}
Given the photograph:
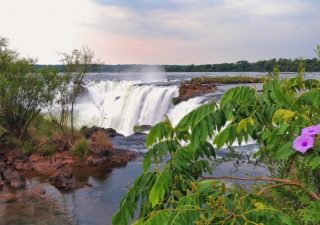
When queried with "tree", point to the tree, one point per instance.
{"points": [[77, 64], [24, 90]]}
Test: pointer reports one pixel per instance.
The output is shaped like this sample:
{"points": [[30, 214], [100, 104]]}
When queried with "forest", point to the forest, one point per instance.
{"points": [[285, 65]]}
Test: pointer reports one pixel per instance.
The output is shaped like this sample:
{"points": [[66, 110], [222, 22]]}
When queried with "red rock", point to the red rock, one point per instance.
{"points": [[64, 180], [7, 197], [9, 160], [37, 191], [98, 161], [69, 161], [22, 164], [120, 157], [189, 90], [35, 157], [13, 178], [43, 167], [16, 154]]}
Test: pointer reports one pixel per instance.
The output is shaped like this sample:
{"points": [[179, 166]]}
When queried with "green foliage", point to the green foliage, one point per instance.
{"points": [[47, 148], [28, 147], [77, 64], [3, 131], [176, 192], [226, 80], [24, 91], [80, 149], [286, 65]]}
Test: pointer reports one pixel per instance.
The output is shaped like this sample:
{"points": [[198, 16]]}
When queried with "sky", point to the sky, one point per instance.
{"points": [[163, 31]]}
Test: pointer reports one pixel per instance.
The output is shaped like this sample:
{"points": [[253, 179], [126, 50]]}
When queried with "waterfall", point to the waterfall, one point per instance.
{"points": [[123, 104]]}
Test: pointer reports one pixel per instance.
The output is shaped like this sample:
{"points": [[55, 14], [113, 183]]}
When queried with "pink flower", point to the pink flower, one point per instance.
{"points": [[303, 143], [311, 131]]}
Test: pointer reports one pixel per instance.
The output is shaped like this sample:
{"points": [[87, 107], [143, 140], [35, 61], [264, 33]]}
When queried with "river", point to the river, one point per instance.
{"points": [[120, 101]]}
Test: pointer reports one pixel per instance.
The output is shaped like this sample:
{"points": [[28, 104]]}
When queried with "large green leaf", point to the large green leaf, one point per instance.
{"points": [[160, 187], [159, 132], [242, 95]]}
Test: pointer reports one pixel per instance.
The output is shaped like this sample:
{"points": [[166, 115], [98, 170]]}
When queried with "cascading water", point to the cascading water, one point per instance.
{"points": [[123, 104]]}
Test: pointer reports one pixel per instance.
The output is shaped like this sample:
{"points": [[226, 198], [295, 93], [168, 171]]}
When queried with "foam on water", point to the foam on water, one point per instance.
{"points": [[123, 104]]}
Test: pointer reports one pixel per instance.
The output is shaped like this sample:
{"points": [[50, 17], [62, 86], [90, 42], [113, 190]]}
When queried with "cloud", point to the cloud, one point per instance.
{"points": [[141, 5], [159, 18], [163, 31], [215, 31]]}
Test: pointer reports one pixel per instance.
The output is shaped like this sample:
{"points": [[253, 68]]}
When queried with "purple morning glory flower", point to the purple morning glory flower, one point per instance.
{"points": [[303, 143], [311, 131]]}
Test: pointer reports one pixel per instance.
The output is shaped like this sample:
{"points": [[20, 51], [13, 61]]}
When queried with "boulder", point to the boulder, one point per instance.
{"points": [[95, 161], [1, 183], [121, 157], [64, 180], [62, 158], [189, 90], [35, 157], [7, 197], [88, 132], [43, 166], [22, 164], [141, 128], [11, 177]]}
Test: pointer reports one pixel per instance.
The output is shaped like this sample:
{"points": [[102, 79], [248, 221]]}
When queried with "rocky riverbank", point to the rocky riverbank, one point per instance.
{"points": [[57, 168]]}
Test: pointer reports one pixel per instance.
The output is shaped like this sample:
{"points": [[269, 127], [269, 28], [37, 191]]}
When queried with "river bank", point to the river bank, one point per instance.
{"points": [[15, 163]]}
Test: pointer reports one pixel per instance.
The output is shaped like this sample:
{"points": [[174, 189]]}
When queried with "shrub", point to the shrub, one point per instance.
{"points": [[226, 80], [80, 149], [101, 140], [27, 147], [24, 91], [46, 146]]}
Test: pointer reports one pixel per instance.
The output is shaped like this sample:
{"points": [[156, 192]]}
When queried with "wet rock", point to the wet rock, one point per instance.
{"points": [[1, 183], [12, 178], [111, 132], [17, 154], [141, 128], [64, 180], [35, 157], [189, 90], [7, 197], [9, 160], [121, 157], [135, 142], [37, 191], [22, 164], [95, 161], [88, 132], [43, 166], [62, 158]]}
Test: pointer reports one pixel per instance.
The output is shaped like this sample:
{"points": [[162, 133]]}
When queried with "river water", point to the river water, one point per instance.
{"points": [[119, 101]]}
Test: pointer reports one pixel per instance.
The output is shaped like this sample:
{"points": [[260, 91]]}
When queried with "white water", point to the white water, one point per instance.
{"points": [[123, 104]]}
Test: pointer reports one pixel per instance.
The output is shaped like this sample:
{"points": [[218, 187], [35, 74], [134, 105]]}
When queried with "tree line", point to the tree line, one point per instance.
{"points": [[285, 65]]}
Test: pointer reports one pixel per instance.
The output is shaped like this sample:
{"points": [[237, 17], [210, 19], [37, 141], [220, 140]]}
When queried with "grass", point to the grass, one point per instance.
{"points": [[226, 80], [80, 149], [101, 140]]}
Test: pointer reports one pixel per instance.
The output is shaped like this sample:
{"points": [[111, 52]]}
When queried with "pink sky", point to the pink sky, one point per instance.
{"points": [[163, 32]]}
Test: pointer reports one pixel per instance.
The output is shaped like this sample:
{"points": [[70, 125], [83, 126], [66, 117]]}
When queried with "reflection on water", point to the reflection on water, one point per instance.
{"points": [[87, 206]]}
